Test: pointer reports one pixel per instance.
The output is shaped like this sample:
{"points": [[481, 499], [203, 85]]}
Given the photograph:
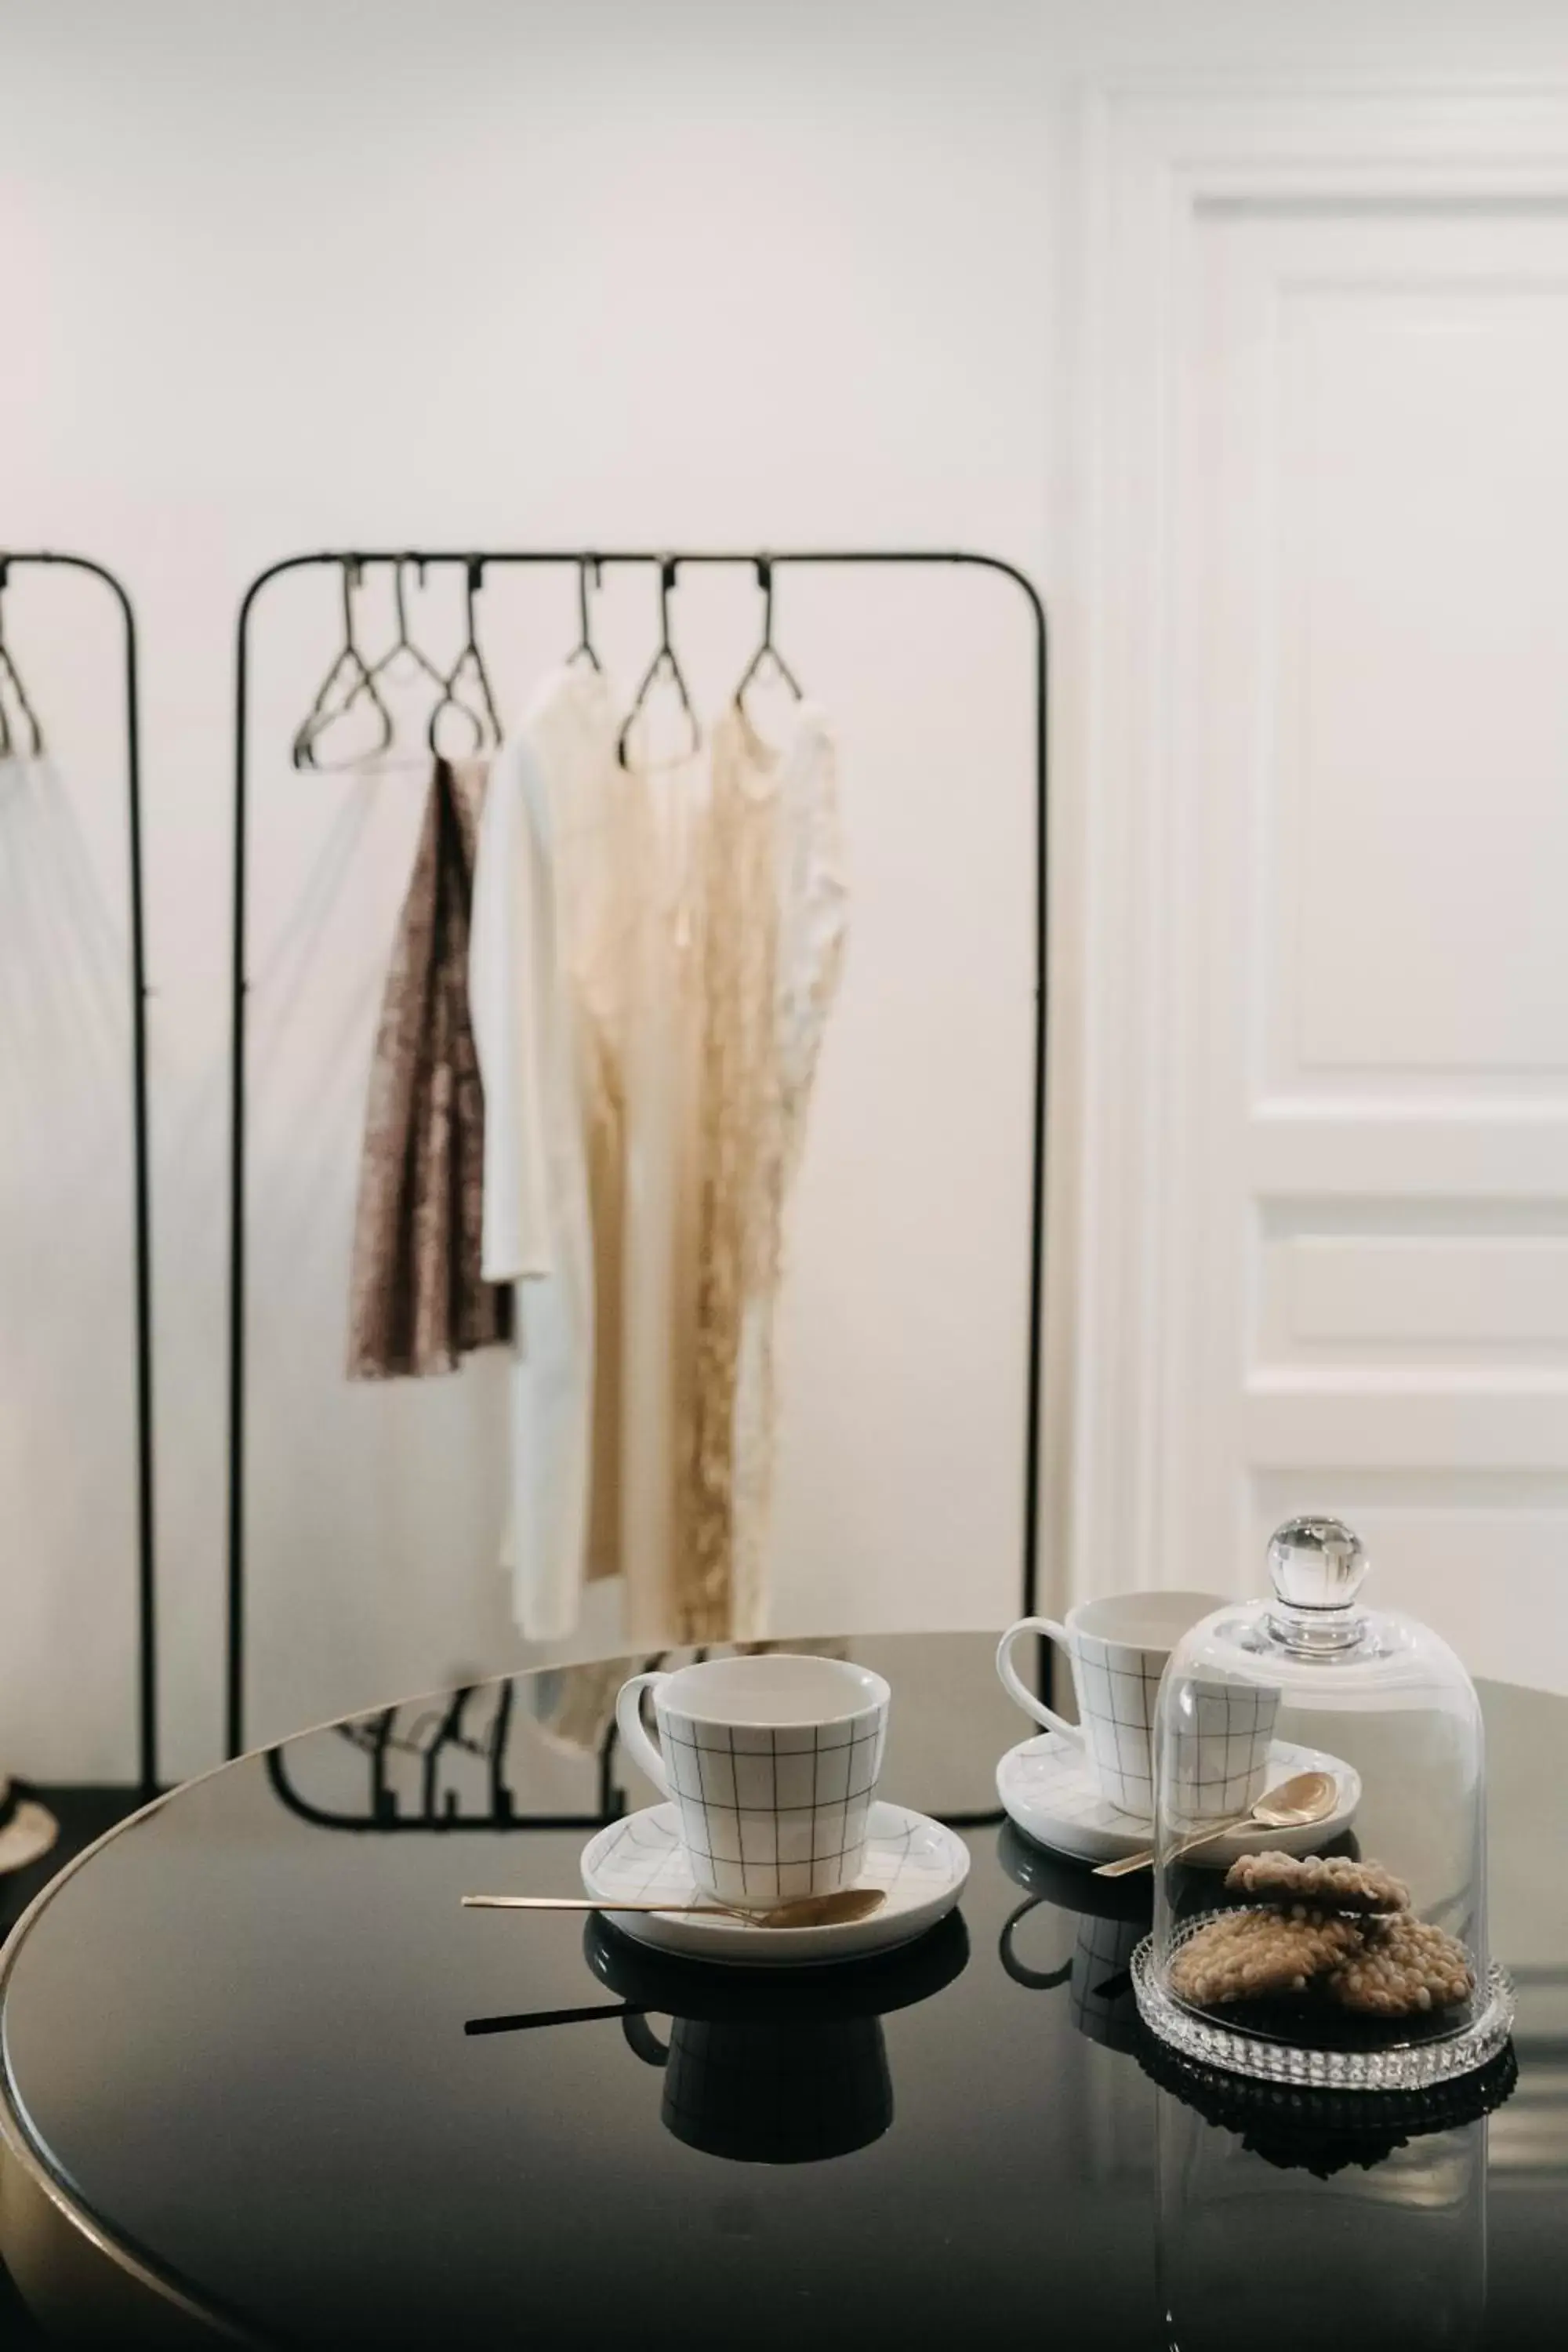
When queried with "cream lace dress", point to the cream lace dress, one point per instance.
{"points": [[774, 909], [664, 821], [656, 951]]}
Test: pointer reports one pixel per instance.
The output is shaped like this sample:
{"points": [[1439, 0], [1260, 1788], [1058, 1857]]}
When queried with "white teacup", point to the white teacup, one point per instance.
{"points": [[1119, 1648], [1216, 1747], [771, 1762]]}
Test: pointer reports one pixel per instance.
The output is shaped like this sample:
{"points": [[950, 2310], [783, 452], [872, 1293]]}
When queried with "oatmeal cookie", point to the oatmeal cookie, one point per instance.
{"points": [[1332, 1883], [1246, 1955], [1405, 1966]]}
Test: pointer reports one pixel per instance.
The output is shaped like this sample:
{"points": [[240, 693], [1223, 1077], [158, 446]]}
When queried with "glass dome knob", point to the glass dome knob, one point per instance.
{"points": [[1316, 1563]]}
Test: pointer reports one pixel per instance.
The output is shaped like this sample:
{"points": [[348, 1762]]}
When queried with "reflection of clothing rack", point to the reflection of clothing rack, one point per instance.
{"points": [[483, 1722], [473, 564], [378, 1734], [147, 1665]]}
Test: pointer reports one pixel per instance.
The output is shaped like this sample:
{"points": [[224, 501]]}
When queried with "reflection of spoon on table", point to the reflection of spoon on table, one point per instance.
{"points": [[1295, 1804]]}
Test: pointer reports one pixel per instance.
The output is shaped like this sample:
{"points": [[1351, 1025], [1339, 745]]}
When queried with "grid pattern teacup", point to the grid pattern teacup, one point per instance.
{"points": [[771, 1762], [1216, 1747], [1119, 1648]]}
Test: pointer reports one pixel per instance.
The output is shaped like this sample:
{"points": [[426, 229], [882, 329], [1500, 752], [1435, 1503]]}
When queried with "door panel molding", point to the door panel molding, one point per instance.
{"points": [[1179, 1420]]}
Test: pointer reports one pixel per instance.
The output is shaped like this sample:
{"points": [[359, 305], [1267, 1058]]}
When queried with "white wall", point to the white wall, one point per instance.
{"points": [[312, 275], [492, 274]]}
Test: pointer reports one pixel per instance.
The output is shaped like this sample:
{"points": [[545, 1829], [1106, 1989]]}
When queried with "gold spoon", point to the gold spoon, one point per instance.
{"points": [[1295, 1804], [835, 1910]]}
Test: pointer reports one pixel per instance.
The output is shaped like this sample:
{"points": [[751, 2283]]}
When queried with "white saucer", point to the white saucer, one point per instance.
{"points": [[921, 1864], [1048, 1789]]}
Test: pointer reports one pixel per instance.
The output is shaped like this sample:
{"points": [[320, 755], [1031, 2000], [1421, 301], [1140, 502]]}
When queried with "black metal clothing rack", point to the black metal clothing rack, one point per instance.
{"points": [[146, 1592], [473, 563]]}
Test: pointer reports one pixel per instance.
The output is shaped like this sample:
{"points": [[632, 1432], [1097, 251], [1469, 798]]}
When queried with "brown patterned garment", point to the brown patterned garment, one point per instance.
{"points": [[417, 1303]]}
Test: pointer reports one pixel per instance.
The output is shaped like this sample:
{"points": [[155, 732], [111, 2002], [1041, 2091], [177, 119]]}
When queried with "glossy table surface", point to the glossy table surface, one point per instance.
{"points": [[255, 2051]]}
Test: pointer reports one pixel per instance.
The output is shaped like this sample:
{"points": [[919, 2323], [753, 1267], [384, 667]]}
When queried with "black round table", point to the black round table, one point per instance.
{"points": [[265, 2081]]}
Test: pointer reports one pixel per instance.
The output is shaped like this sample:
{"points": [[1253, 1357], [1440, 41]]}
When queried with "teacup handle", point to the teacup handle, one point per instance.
{"points": [[633, 1738], [641, 2037], [1036, 1979], [1018, 1690]]}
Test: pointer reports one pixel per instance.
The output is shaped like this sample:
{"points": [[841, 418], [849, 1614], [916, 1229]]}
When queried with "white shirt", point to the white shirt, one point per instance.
{"points": [[541, 947]]}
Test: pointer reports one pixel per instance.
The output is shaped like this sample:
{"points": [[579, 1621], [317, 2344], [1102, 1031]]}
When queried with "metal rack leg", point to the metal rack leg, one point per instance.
{"points": [[146, 1552]]}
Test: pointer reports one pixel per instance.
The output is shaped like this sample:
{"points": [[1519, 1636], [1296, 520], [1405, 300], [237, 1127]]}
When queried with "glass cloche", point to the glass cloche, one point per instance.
{"points": [[1340, 1938]]}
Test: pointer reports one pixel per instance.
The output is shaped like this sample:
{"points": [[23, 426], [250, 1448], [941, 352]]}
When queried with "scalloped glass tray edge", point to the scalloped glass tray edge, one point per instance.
{"points": [[1413, 2067]]}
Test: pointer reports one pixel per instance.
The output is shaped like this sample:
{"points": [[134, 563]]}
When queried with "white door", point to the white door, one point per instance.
{"points": [[1328, 727]]}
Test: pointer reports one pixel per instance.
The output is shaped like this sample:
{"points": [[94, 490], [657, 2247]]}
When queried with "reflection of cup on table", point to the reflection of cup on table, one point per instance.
{"points": [[771, 1762], [1111, 1917], [774, 2065], [1101, 1989], [785, 2092], [1117, 1648]]}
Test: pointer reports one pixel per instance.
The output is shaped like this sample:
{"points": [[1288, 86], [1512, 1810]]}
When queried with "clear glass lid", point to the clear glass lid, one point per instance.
{"points": [[1319, 1839]]}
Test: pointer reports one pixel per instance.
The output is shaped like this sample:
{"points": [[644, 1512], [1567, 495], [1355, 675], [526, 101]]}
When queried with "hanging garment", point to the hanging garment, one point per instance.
{"points": [[773, 918], [664, 830], [546, 991], [419, 1301]]}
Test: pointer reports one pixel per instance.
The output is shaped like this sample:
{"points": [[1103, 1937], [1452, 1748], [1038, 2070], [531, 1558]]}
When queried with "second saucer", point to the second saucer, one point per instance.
{"points": [[1048, 1789]]}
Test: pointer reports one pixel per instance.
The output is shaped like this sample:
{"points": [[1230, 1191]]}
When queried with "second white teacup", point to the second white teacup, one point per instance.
{"points": [[1117, 1648], [771, 1762]]}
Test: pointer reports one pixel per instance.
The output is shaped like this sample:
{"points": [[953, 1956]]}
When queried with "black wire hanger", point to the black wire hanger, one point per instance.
{"points": [[663, 665], [468, 674], [349, 681], [417, 663], [583, 649], [767, 654], [12, 688]]}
